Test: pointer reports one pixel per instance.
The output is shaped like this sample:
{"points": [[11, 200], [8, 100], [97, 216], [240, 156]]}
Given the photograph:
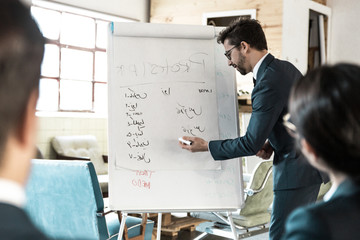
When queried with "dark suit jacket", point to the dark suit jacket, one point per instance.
{"points": [[16, 225], [337, 219], [269, 104]]}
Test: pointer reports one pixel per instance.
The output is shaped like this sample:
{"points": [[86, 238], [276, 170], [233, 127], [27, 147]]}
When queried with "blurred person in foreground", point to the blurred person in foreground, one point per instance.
{"points": [[21, 54], [325, 120]]}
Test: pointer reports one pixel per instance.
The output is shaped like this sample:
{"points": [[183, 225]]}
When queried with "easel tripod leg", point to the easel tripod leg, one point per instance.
{"points": [[201, 236], [122, 225], [158, 233], [233, 229]]}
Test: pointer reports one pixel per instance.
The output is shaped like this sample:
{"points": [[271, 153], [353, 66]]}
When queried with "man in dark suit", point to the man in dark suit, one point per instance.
{"points": [[21, 53], [296, 183]]}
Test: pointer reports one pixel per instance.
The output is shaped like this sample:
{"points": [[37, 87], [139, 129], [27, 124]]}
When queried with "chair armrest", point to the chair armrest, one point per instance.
{"points": [[105, 158], [103, 213], [251, 192], [62, 157]]}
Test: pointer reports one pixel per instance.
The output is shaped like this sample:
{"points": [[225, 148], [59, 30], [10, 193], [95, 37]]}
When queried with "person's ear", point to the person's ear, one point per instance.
{"points": [[308, 150], [313, 158], [244, 46], [306, 146]]}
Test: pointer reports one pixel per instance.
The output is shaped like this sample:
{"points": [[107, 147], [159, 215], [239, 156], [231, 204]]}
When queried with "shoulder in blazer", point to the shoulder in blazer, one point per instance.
{"points": [[16, 225], [337, 219]]}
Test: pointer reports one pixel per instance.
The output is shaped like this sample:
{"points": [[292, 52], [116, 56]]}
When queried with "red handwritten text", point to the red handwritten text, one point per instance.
{"points": [[142, 179], [141, 183]]}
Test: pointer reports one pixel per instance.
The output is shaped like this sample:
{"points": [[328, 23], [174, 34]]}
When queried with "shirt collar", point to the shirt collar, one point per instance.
{"points": [[346, 188], [257, 65], [12, 193], [329, 193]]}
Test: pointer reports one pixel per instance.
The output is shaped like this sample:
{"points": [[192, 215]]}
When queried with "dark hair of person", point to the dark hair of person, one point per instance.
{"points": [[324, 106], [21, 53], [244, 29]]}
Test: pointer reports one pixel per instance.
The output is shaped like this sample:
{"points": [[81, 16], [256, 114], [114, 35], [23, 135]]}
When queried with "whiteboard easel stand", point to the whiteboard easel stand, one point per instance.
{"points": [[123, 221], [158, 233], [122, 225], [230, 221], [201, 236], [232, 225]]}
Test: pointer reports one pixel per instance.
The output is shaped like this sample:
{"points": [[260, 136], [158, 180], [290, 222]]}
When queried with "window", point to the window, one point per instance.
{"points": [[74, 69]]}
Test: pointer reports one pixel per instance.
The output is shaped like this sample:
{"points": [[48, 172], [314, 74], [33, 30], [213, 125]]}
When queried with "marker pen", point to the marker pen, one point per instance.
{"points": [[185, 141]]}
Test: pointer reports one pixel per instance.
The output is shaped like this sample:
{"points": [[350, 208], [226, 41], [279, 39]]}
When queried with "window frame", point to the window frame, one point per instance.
{"points": [[95, 16]]}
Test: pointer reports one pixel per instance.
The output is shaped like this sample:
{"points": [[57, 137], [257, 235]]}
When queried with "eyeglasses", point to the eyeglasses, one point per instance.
{"points": [[228, 52], [289, 126]]}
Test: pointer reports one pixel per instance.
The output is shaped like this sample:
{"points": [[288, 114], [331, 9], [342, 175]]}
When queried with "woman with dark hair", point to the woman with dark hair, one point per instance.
{"points": [[325, 120]]}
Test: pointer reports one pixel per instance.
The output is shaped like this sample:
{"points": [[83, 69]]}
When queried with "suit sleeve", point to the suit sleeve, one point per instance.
{"points": [[305, 224], [267, 103]]}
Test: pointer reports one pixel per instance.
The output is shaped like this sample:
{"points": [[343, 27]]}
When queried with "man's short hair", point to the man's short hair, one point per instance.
{"points": [[21, 53], [244, 29]]}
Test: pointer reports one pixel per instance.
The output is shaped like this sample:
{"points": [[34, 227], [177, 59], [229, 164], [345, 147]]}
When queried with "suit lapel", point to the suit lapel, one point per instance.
{"points": [[268, 59]]}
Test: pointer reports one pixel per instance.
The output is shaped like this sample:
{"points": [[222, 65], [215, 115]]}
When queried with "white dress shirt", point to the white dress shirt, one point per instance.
{"points": [[257, 66], [329, 193], [12, 193]]}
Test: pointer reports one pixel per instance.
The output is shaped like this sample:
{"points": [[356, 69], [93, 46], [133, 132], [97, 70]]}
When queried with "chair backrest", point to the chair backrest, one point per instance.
{"points": [[63, 199], [81, 146], [324, 188], [261, 187]]}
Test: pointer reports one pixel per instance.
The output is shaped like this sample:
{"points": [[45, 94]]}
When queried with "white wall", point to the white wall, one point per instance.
{"points": [[134, 9], [345, 34], [296, 30]]}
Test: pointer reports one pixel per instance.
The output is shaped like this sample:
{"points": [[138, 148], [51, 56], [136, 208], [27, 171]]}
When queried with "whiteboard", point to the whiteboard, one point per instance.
{"points": [[167, 81]]}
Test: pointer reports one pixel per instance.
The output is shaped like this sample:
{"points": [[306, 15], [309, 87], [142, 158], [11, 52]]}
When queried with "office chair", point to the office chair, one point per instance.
{"points": [[64, 201], [255, 213], [83, 147]]}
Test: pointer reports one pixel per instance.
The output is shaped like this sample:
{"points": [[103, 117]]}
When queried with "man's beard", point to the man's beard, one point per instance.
{"points": [[241, 70], [240, 65]]}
